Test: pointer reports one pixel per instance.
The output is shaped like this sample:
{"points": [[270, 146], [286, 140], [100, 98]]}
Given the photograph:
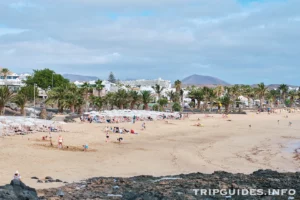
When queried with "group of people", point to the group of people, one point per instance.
{"points": [[121, 130]]}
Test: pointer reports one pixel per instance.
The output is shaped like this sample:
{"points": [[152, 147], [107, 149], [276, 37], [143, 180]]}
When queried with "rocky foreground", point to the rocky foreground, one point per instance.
{"points": [[168, 188]]}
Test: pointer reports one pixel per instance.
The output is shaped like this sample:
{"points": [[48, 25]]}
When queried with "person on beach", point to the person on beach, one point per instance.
{"points": [[121, 130], [85, 147], [278, 122], [60, 142], [107, 137], [120, 139], [133, 119], [290, 123], [143, 126], [17, 176], [198, 124], [106, 130]]}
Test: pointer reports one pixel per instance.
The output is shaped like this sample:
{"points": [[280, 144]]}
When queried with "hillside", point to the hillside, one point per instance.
{"points": [[73, 77], [202, 80]]}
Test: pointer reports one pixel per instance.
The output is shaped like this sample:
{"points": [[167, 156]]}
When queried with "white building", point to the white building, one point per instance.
{"points": [[147, 83], [107, 86], [11, 79]]}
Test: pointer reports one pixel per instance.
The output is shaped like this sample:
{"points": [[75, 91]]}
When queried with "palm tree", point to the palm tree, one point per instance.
{"points": [[226, 101], [273, 95], [173, 96], [178, 86], [158, 90], [146, 98], [284, 90], [234, 93], [99, 86], [207, 94], [134, 97], [121, 98], [5, 72], [57, 95], [162, 103], [293, 95], [24, 95], [211, 96], [96, 101], [181, 93], [261, 91], [21, 100], [73, 97], [198, 95], [219, 90], [6, 95], [86, 89], [248, 92], [108, 100]]}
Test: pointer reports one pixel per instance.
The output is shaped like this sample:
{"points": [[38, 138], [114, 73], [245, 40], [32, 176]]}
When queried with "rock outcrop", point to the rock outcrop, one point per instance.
{"points": [[17, 190], [179, 187]]}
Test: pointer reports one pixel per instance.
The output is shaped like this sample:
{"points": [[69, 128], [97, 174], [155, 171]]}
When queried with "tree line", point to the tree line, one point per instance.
{"points": [[67, 96]]}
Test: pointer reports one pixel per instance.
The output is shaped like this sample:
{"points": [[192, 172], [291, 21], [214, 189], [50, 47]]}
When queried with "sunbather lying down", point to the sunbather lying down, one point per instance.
{"points": [[198, 124]]}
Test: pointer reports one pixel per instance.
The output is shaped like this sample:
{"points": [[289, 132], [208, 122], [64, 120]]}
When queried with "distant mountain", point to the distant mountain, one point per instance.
{"points": [[202, 80], [74, 77]]}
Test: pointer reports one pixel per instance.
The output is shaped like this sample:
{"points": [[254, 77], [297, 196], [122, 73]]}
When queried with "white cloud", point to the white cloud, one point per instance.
{"points": [[220, 37]]}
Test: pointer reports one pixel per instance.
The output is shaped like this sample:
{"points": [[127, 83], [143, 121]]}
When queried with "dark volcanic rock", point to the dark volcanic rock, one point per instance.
{"points": [[17, 191], [179, 187], [34, 177], [48, 178]]}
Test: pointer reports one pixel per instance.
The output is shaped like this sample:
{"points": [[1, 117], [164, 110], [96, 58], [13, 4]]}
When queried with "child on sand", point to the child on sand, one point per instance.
{"points": [[85, 147]]}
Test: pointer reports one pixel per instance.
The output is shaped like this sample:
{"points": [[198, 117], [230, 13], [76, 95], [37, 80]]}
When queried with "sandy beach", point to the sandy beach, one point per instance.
{"points": [[162, 149]]}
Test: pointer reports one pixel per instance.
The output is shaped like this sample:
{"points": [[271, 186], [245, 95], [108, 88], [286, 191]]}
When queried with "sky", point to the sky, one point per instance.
{"points": [[239, 41]]}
